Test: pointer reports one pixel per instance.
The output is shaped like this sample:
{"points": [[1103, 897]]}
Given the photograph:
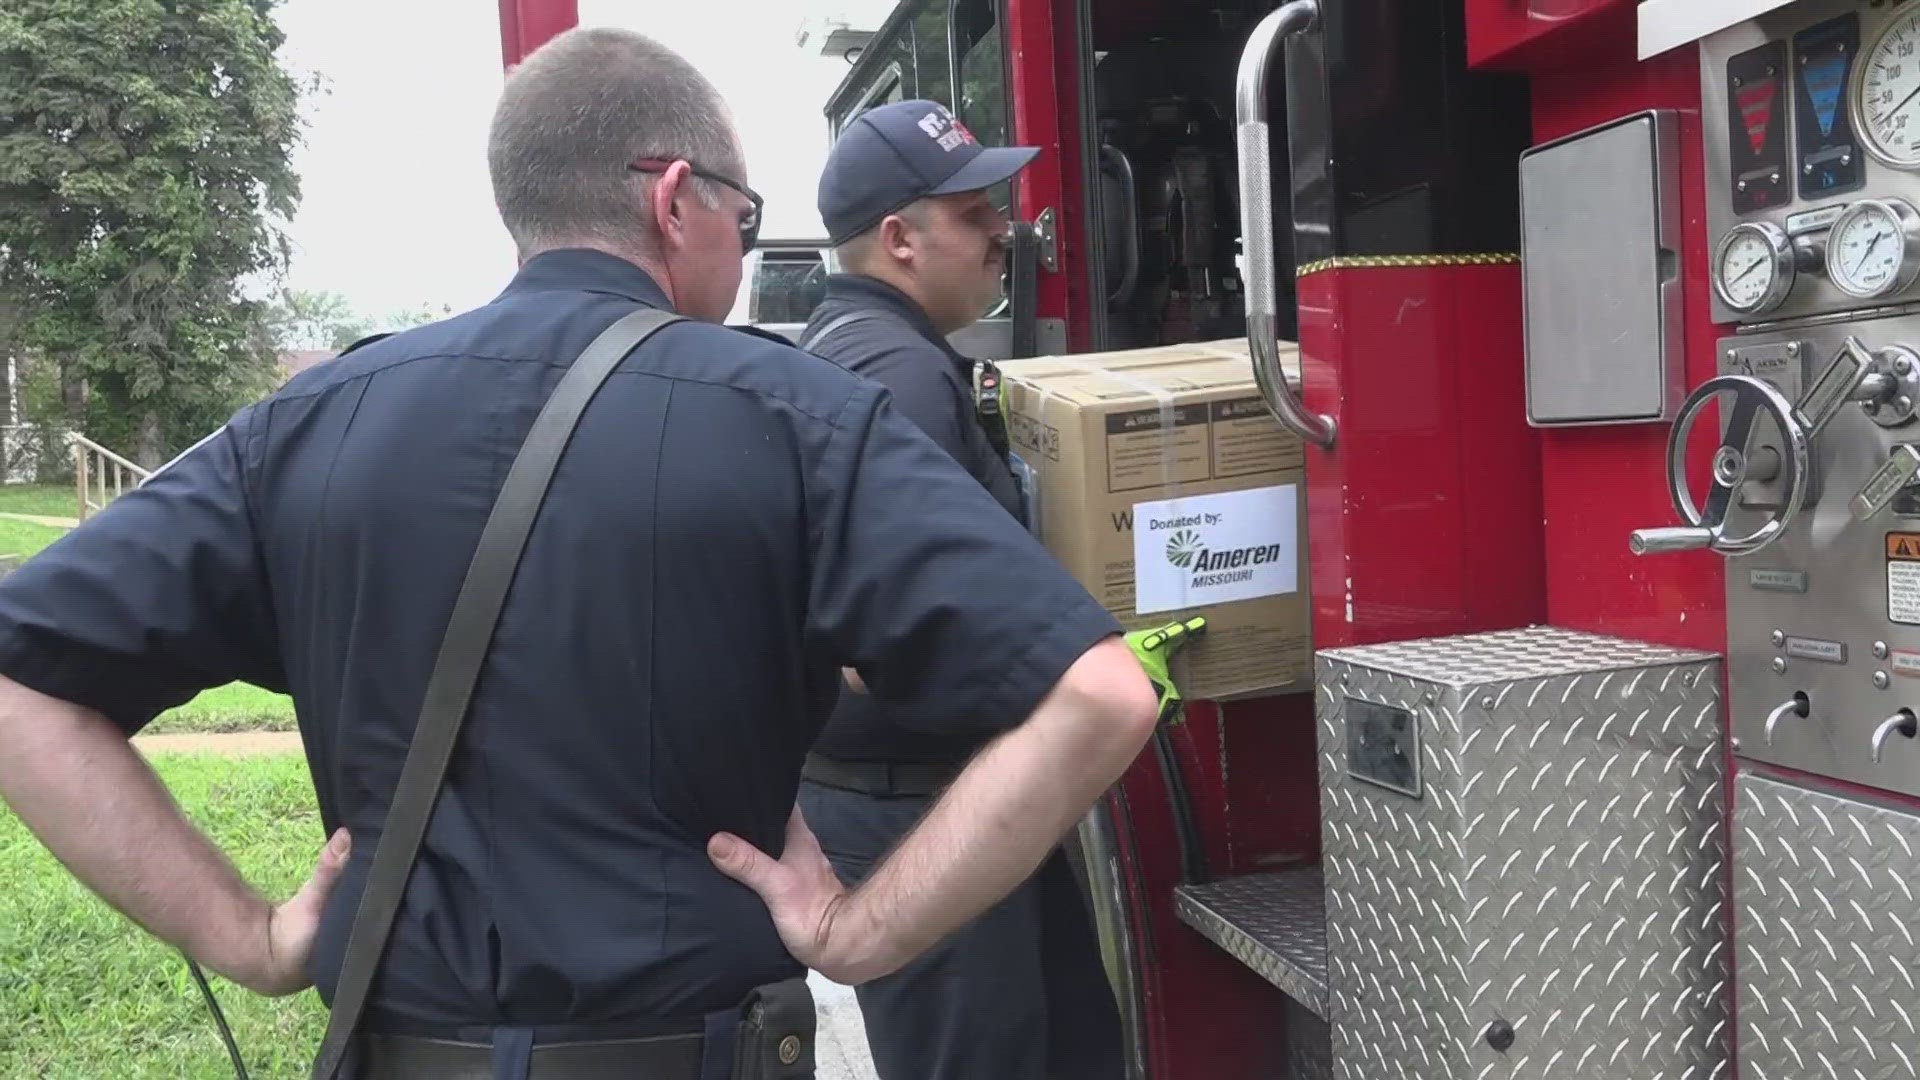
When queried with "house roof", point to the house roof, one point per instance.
{"points": [[296, 361]]}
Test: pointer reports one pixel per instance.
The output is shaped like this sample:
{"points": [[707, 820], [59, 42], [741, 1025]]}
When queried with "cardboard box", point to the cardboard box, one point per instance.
{"points": [[1163, 483]]}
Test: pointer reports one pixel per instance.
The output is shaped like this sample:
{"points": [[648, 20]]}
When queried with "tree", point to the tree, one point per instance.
{"points": [[299, 320], [419, 315], [144, 167]]}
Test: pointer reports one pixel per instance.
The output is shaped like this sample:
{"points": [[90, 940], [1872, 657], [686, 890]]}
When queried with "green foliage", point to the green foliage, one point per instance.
{"points": [[298, 320], [144, 163]]}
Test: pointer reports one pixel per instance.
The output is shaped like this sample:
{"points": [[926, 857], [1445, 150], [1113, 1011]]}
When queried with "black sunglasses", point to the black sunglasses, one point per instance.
{"points": [[749, 222]]}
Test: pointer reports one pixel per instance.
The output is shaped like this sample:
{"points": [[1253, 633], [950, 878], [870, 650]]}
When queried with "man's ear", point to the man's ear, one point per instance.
{"points": [[667, 200], [896, 238]]}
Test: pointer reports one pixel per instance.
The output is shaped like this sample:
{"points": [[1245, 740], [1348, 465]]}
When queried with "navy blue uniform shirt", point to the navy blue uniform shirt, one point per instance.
{"points": [[733, 521], [897, 346]]}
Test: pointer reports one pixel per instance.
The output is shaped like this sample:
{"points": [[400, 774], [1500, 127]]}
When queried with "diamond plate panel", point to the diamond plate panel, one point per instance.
{"points": [[1508, 656], [1308, 1045], [1827, 955], [1561, 873], [1274, 923]]}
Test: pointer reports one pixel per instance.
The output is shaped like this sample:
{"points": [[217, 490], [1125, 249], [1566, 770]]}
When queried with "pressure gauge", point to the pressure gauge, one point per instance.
{"points": [[1874, 248], [1885, 98], [1753, 270]]}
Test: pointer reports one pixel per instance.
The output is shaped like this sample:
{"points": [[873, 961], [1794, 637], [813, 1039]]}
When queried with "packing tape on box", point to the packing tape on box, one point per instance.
{"points": [[1168, 431], [1169, 475]]}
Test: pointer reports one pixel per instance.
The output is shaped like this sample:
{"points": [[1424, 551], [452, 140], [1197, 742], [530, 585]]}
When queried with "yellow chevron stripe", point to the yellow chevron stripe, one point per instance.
{"points": [[1375, 262]]}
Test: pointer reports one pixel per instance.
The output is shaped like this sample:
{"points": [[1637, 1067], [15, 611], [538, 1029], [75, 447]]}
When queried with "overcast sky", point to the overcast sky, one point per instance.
{"points": [[396, 209]]}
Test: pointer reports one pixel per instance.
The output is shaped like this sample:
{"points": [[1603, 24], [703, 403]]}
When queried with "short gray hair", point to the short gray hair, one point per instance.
{"points": [[858, 251], [572, 118]]}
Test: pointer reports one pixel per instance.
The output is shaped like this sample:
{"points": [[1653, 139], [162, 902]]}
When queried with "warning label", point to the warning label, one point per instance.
{"points": [[1903, 578]]}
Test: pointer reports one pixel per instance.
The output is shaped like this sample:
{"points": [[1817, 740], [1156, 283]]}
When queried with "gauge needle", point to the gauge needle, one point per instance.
{"points": [[1751, 267], [1903, 102], [1874, 243]]}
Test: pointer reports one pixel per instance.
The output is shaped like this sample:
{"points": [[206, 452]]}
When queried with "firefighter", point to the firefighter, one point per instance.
{"points": [[1020, 993], [615, 865]]}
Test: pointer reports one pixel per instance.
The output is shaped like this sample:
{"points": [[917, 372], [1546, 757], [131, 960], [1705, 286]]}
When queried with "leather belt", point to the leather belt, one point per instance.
{"points": [[663, 1057], [879, 777]]}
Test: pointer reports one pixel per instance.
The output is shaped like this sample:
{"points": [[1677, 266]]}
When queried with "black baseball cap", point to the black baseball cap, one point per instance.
{"points": [[895, 154]]}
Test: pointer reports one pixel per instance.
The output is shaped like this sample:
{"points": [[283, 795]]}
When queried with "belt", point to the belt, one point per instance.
{"points": [[768, 1037], [664, 1057], [879, 777]]}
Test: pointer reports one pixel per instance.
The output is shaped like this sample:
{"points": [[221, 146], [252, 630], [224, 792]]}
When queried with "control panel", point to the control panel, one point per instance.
{"points": [[1812, 488], [1812, 494], [1811, 116]]}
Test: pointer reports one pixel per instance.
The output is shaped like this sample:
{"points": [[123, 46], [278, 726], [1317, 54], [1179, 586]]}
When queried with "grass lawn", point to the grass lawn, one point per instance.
{"points": [[85, 994], [46, 500], [233, 707], [25, 537]]}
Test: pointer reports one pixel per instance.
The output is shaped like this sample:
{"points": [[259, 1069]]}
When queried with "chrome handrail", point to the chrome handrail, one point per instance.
{"points": [[1256, 219]]}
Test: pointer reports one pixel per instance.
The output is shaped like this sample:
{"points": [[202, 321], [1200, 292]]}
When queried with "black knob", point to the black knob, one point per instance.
{"points": [[1500, 1035]]}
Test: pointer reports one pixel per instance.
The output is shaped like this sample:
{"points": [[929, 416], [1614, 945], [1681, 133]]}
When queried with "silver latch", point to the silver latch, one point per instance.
{"points": [[1885, 482]]}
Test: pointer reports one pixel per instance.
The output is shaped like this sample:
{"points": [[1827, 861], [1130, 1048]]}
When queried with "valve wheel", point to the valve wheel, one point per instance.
{"points": [[1751, 397]]}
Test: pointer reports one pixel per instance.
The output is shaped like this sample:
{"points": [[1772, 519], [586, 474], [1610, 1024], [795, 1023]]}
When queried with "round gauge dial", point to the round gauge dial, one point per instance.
{"points": [[1874, 248], [1886, 92], [1753, 270]]}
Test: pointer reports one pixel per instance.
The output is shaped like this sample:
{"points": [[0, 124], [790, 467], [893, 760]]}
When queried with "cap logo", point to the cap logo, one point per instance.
{"points": [[949, 133]]}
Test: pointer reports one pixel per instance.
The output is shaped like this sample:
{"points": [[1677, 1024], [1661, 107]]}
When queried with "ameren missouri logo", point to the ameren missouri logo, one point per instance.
{"points": [[1182, 547], [1187, 550]]}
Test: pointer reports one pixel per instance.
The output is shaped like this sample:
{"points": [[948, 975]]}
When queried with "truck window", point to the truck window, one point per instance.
{"points": [[786, 287], [983, 79], [909, 58]]}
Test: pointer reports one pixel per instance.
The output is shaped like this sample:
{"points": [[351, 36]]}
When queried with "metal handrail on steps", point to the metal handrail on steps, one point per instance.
{"points": [[97, 468]]}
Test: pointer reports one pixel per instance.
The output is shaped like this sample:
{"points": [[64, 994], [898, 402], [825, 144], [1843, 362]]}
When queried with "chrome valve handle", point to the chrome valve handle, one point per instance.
{"points": [[1799, 705], [1707, 523], [1902, 722]]}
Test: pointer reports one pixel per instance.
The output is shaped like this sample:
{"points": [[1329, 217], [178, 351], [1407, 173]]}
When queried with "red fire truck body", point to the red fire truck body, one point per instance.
{"points": [[1608, 767]]}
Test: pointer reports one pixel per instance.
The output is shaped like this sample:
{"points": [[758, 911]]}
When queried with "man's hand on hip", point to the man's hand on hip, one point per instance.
{"points": [[804, 896], [287, 940]]}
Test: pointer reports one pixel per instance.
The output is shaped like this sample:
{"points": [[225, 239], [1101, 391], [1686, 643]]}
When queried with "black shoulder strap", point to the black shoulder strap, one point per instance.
{"points": [[811, 341], [464, 648]]}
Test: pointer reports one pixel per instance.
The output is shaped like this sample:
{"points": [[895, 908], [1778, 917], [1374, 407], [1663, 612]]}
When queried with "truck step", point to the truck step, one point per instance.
{"points": [[1275, 923]]}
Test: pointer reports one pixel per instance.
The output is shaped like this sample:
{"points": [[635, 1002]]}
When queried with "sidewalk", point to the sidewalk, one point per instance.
{"points": [[43, 519], [841, 1042]]}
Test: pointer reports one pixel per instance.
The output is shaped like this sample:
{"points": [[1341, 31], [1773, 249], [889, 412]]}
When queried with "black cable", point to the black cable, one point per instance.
{"points": [[1193, 859], [219, 1019]]}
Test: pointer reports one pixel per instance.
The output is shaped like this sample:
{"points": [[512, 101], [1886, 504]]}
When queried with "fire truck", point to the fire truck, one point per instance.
{"points": [[1608, 316]]}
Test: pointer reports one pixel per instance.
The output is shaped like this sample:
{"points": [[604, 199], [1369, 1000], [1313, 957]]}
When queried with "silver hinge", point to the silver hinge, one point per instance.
{"points": [[1049, 241]]}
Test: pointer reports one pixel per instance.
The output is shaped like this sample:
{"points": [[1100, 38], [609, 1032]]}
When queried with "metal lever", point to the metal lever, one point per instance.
{"points": [[1885, 482], [1799, 705], [1902, 721], [1256, 218], [1849, 377], [1663, 540]]}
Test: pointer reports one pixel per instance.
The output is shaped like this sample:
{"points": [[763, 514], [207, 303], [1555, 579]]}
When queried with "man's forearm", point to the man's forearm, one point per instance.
{"points": [[92, 800], [996, 823]]}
